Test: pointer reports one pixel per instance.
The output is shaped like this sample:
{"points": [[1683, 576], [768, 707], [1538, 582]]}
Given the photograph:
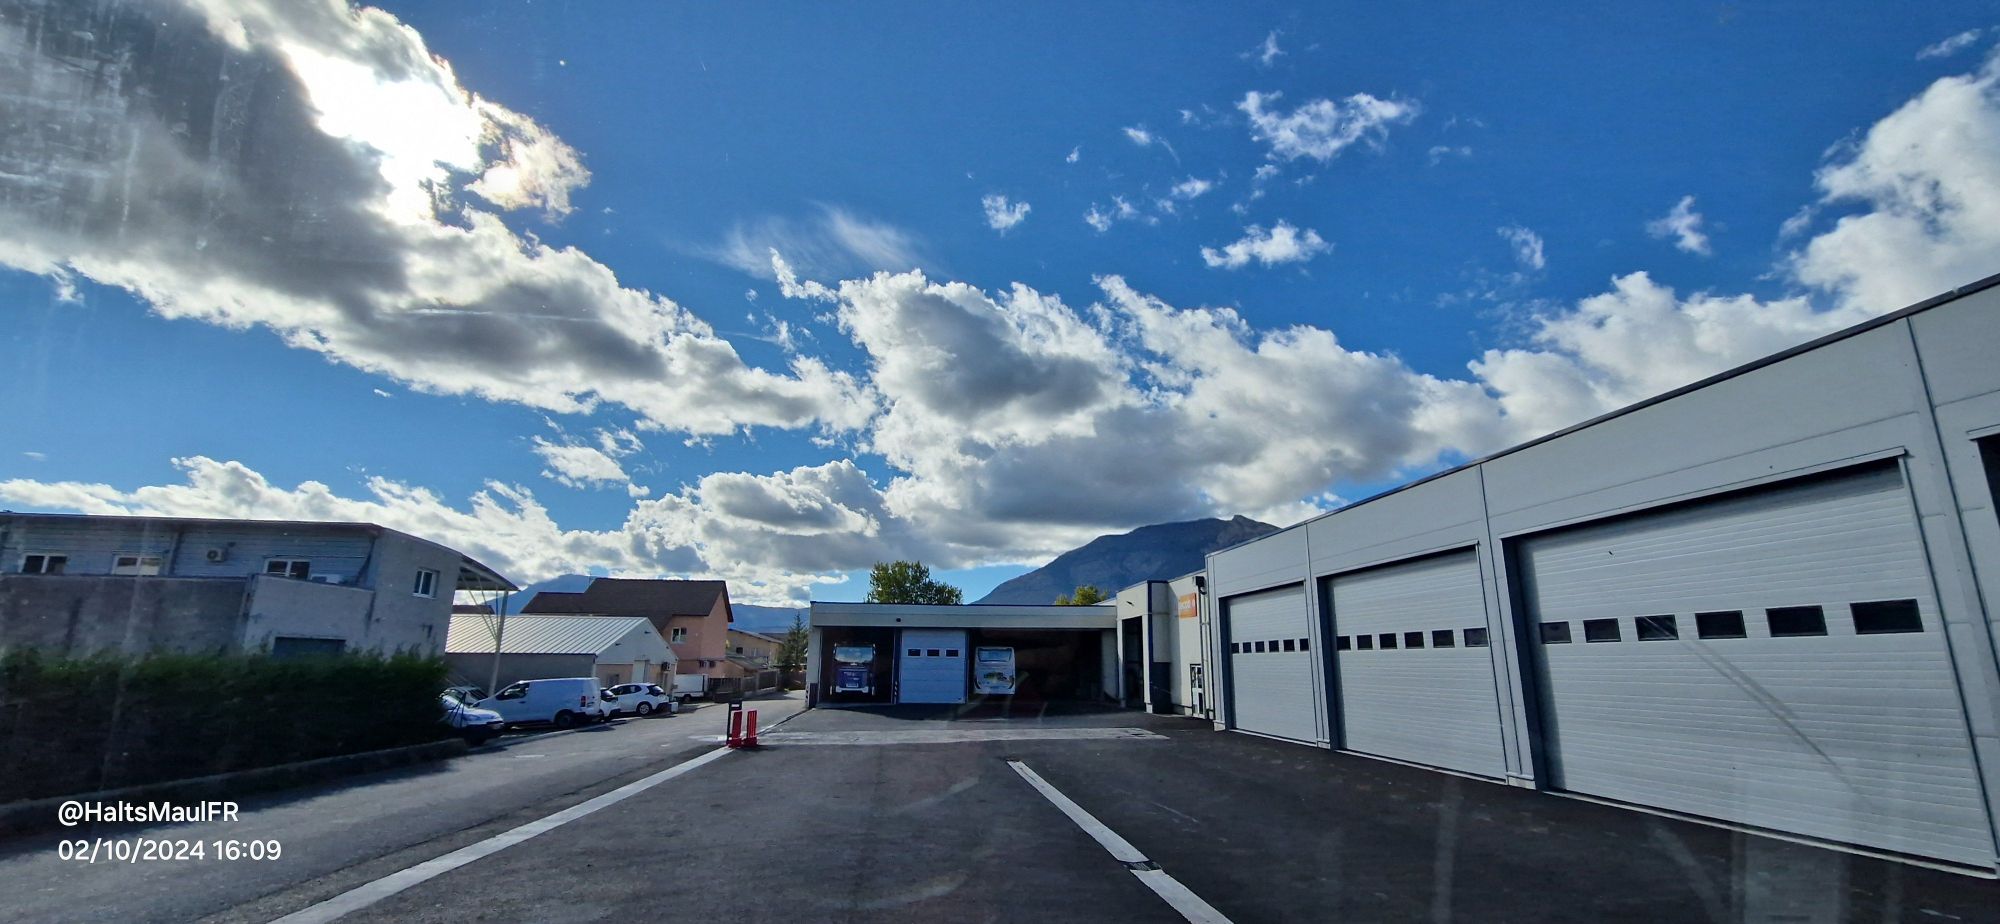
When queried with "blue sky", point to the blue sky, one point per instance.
{"points": [[1409, 190]]}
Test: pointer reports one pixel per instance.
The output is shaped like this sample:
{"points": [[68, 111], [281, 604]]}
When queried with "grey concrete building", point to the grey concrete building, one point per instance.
{"points": [[74, 584], [1764, 600]]}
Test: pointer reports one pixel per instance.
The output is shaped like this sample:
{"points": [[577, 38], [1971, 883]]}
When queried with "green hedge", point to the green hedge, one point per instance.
{"points": [[72, 725]]}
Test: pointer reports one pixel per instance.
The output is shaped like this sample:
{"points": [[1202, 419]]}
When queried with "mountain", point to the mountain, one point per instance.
{"points": [[769, 620], [1112, 563]]}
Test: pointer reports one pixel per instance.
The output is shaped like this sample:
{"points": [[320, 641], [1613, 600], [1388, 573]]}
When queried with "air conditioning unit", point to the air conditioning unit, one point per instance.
{"points": [[217, 554]]}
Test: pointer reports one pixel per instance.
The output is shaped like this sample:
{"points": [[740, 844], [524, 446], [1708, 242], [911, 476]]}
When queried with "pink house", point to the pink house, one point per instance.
{"points": [[693, 616]]}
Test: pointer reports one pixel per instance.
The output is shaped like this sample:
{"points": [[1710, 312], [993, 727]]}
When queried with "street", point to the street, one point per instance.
{"points": [[922, 814]]}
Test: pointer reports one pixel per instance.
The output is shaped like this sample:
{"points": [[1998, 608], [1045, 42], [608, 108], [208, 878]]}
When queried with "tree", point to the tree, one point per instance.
{"points": [[909, 582], [791, 654], [1087, 595]]}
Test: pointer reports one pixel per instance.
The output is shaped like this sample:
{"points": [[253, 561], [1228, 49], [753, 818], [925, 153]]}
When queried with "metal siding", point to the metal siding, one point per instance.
{"points": [[1435, 706], [1852, 738], [926, 679], [342, 552], [1272, 692], [590, 635], [90, 546]]}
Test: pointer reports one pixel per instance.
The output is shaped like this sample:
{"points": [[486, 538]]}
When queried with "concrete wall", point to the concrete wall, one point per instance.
{"points": [[1922, 390], [82, 614], [707, 640], [284, 607], [1190, 644], [475, 668], [90, 543], [402, 620]]}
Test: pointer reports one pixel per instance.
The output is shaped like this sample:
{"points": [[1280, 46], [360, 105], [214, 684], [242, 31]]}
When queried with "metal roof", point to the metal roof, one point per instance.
{"points": [[636, 597], [589, 635], [964, 616]]}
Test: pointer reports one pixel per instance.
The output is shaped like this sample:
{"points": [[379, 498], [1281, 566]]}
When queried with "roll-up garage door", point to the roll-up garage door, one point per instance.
{"points": [[1271, 664], [930, 668], [1772, 658], [1412, 664]]}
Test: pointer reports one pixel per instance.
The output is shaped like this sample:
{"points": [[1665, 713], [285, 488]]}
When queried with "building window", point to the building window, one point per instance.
{"points": [[1656, 628], [1291, 645], [1795, 621], [426, 584], [288, 647], [44, 564], [1441, 638], [1886, 616], [1719, 624], [739, 649], [1413, 640], [1387, 640], [130, 563], [1475, 638], [1342, 643], [298, 568], [680, 634], [1364, 642], [1555, 633], [1600, 630]]}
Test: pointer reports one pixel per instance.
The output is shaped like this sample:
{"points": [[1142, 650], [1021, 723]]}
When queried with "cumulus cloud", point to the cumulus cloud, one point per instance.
{"points": [[594, 464], [1283, 243], [1075, 154], [1527, 246], [1927, 181], [1322, 128], [1683, 224], [1267, 52], [1137, 134], [1102, 217], [1191, 188], [1002, 214], [314, 170], [1951, 45]]}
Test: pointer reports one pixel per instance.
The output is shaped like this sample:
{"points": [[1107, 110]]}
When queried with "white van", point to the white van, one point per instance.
{"points": [[563, 701]]}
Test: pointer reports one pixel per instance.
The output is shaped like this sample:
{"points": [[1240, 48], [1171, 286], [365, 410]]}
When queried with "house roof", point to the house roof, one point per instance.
{"points": [[471, 609], [589, 635], [759, 635], [636, 597]]}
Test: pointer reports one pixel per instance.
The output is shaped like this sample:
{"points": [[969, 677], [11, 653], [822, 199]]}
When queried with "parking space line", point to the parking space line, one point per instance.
{"points": [[1164, 885], [369, 893]]}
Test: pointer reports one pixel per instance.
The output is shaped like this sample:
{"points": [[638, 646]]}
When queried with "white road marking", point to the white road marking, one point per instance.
{"points": [[368, 894], [951, 736], [1164, 885]]}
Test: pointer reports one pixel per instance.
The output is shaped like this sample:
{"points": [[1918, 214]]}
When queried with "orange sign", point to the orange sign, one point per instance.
{"points": [[1189, 607]]}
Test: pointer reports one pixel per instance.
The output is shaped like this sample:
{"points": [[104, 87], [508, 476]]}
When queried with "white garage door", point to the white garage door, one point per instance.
{"points": [[1271, 664], [1772, 658], [1414, 670], [930, 667]]}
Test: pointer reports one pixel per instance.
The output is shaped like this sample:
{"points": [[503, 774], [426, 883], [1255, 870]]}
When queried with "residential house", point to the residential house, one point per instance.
{"points": [[693, 616], [74, 584], [614, 649]]}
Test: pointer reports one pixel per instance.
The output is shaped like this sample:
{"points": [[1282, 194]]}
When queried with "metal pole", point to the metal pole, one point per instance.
{"points": [[493, 679]]}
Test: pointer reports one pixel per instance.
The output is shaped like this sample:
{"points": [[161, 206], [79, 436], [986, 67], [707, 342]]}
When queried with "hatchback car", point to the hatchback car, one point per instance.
{"points": [[644, 699]]}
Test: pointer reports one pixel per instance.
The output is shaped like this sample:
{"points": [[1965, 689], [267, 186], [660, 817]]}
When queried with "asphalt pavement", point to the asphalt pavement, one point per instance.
{"points": [[920, 814], [350, 831]]}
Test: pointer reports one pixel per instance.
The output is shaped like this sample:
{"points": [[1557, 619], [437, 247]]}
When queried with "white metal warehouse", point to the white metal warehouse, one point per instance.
{"points": [[864, 653], [1760, 599]]}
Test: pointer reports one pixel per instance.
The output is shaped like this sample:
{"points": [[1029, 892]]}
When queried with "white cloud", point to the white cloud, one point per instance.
{"points": [[1267, 52], [1928, 177], [1527, 245], [831, 243], [1138, 135], [1952, 45], [400, 271], [1102, 217], [578, 464], [381, 393], [1322, 128], [1002, 214], [1282, 244], [1439, 152], [1191, 188], [34, 456], [1683, 224], [1098, 218], [1075, 154]]}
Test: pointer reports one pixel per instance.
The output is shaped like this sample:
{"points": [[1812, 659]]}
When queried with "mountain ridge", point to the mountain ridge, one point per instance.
{"points": [[1115, 561]]}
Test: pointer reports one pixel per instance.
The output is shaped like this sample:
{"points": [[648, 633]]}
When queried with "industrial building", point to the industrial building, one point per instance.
{"points": [[1762, 600], [614, 649], [880, 653]]}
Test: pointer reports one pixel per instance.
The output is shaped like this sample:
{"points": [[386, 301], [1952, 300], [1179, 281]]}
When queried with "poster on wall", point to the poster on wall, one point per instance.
{"points": [[993, 671], [1188, 606]]}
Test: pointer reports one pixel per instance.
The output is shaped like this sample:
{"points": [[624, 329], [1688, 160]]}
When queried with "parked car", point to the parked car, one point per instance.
{"points": [[690, 686], [561, 701], [645, 699], [476, 726], [610, 702], [466, 695]]}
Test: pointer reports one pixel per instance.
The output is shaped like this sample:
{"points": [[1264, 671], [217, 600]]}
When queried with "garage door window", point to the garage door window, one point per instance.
{"points": [[1883, 617], [1656, 628], [1795, 621], [1724, 624], [1364, 642], [1413, 640], [1342, 643], [1555, 633], [1289, 645], [1388, 640], [1475, 638], [1441, 638], [1600, 630]]}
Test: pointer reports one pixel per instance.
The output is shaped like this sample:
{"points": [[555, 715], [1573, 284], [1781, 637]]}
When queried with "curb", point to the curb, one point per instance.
{"points": [[40, 814]]}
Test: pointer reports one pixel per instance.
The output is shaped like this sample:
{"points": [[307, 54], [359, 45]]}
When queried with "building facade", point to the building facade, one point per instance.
{"points": [[77, 585], [1764, 599], [863, 653], [614, 649], [693, 616]]}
